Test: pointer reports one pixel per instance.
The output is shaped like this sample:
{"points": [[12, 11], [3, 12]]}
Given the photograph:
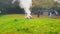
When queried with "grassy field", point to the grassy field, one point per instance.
{"points": [[16, 24]]}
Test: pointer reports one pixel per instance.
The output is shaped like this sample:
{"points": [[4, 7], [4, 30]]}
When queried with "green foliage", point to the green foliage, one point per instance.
{"points": [[47, 4]]}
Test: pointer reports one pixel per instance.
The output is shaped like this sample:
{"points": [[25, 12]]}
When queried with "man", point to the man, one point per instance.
{"points": [[38, 12], [52, 13]]}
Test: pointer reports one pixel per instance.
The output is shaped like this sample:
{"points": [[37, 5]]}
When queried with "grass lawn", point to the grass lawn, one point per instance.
{"points": [[16, 24]]}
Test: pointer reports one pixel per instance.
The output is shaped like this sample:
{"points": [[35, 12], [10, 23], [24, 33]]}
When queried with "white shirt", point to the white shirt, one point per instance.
{"points": [[25, 3]]}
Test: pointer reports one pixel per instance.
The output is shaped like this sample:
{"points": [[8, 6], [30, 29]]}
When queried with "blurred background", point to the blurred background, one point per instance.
{"points": [[6, 7]]}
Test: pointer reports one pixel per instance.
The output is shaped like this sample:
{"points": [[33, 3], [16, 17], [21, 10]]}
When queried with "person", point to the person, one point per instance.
{"points": [[38, 13], [26, 5], [52, 13]]}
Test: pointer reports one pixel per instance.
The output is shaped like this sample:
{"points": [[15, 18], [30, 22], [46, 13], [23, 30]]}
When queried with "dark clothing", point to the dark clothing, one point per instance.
{"points": [[52, 11], [38, 13]]}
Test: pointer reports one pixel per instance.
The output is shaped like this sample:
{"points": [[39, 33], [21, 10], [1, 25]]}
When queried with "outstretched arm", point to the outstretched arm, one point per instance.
{"points": [[56, 12]]}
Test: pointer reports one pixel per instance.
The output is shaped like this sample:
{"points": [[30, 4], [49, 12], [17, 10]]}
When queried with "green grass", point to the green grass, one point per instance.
{"points": [[16, 24]]}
